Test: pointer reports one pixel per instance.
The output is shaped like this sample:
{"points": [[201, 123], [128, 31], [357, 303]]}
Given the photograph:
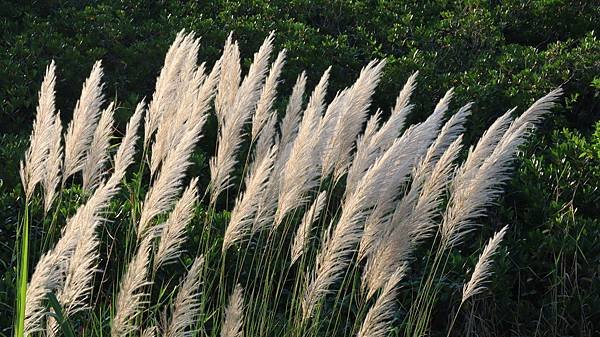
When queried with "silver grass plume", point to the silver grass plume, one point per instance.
{"points": [[415, 142], [303, 234], [83, 264], [49, 272], [268, 200], [403, 98], [193, 106], [418, 138], [374, 142], [483, 268], [394, 244], [536, 112], [365, 152], [291, 120], [264, 106], [452, 129], [48, 275], [149, 332], [33, 167], [85, 117], [449, 133], [301, 172], [97, 153], [124, 156], [379, 318], [178, 60], [433, 123], [487, 143], [335, 254], [230, 79], [493, 135], [246, 205], [173, 123], [234, 315], [265, 209], [475, 187], [230, 131], [349, 122], [266, 139], [166, 186], [389, 131], [187, 303], [74, 295], [287, 133], [46, 278], [132, 297], [65, 268], [173, 230], [265, 214], [330, 119], [53, 164], [194, 100]]}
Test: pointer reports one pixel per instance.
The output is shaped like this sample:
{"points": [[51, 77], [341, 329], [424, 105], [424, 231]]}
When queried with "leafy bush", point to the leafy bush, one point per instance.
{"points": [[505, 54], [556, 206]]}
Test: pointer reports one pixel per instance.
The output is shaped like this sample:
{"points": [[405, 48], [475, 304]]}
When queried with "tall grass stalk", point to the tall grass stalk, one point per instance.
{"points": [[23, 273]]}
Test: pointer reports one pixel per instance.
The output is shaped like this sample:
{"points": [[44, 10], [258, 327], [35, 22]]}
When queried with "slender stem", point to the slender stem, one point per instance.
{"points": [[454, 319], [23, 273], [49, 236]]}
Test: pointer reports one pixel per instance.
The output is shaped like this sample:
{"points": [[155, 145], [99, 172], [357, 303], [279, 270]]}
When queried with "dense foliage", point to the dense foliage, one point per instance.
{"points": [[503, 54]]}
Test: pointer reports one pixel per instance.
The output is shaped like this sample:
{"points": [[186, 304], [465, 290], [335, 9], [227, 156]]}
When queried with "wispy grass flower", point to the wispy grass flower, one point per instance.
{"points": [[80, 131], [483, 268], [233, 325], [33, 167]]}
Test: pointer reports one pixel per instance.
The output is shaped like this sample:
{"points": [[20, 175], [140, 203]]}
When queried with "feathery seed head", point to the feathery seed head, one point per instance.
{"points": [[53, 164], [483, 268], [187, 303], [34, 166], [234, 315], [173, 231], [80, 131]]}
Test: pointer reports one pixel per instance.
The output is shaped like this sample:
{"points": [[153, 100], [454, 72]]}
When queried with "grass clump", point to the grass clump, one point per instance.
{"points": [[323, 215]]}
